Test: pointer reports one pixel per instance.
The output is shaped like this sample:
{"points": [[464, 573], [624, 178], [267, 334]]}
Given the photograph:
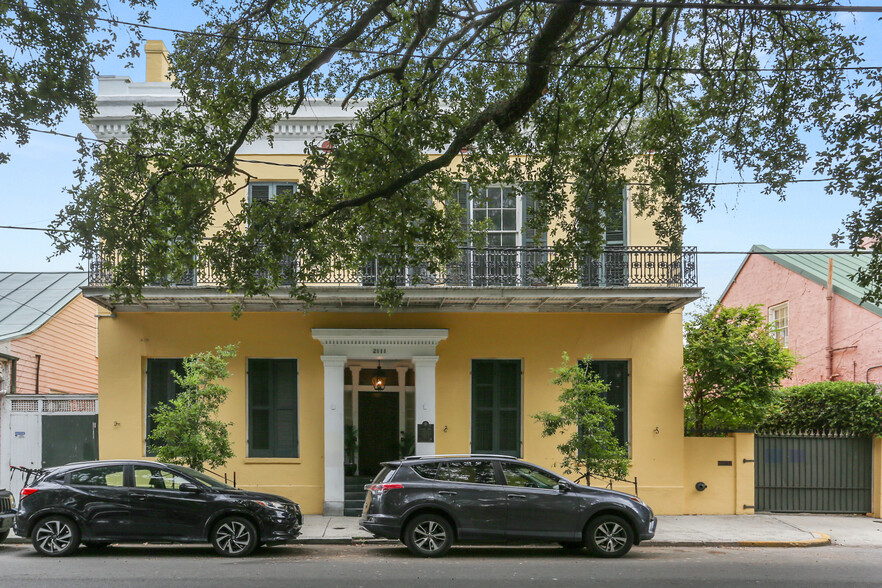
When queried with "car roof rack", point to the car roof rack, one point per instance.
{"points": [[415, 457]]}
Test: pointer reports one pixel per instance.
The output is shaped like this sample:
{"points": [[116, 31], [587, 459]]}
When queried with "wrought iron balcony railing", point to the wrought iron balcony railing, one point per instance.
{"points": [[490, 267]]}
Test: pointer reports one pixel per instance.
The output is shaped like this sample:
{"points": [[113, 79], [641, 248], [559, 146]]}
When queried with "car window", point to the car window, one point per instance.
{"points": [[158, 478], [475, 472], [526, 477], [204, 478], [383, 475], [109, 475], [426, 470]]}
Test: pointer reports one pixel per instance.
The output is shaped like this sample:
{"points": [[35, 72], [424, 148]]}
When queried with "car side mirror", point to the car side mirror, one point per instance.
{"points": [[187, 487], [563, 487]]}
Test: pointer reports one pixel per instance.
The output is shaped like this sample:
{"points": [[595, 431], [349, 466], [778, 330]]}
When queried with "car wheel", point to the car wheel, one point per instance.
{"points": [[234, 537], [609, 536], [56, 536], [572, 545], [428, 535], [96, 544]]}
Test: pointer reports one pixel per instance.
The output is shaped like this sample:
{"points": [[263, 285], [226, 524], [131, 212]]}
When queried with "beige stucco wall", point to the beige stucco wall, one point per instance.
{"points": [[729, 487], [652, 342]]}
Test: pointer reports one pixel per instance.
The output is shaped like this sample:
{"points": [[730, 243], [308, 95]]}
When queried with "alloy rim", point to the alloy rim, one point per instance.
{"points": [[429, 536], [54, 536], [233, 537], [610, 537]]}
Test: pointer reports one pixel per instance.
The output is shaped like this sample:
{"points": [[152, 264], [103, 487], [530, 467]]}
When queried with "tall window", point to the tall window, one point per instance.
{"points": [[611, 269], [272, 408], [615, 375], [496, 406], [501, 264], [779, 320], [161, 387]]}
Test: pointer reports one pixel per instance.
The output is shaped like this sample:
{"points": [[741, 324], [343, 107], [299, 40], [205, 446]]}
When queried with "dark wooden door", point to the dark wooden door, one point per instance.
{"points": [[377, 430]]}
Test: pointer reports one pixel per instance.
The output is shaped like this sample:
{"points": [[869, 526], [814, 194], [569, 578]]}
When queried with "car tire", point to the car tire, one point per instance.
{"points": [[609, 536], [96, 544], [56, 536], [428, 535], [4, 535], [572, 545], [234, 537]]}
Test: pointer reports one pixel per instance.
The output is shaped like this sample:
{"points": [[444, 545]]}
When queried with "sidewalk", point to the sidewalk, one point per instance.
{"points": [[763, 530]]}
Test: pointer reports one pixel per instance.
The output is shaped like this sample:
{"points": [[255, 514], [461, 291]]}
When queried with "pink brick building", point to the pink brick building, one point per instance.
{"points": [[838, 338]]}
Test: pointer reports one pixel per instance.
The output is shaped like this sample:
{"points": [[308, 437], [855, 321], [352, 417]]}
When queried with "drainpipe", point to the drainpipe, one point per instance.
{"points": [[830, 318], [37, 378]]}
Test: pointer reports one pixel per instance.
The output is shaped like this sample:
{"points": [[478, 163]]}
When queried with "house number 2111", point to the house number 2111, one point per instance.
{"points": [[379, 351]]}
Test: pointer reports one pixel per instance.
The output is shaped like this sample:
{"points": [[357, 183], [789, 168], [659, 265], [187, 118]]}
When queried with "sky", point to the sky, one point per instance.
{"points": [[35, 179]]}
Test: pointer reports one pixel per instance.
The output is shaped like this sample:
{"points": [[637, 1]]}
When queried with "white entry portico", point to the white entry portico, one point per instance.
{"points": [[340, 345]]}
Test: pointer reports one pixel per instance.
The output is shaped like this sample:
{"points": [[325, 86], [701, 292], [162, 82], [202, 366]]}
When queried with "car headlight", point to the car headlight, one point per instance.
{"points": [[271, 504]]}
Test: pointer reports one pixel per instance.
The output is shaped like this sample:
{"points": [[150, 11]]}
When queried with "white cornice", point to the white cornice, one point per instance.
{"points": [[380, 343]]}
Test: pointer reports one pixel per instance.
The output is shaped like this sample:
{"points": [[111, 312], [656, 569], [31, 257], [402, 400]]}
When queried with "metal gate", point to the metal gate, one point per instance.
{"points": [[45, 430], [817, 473]]}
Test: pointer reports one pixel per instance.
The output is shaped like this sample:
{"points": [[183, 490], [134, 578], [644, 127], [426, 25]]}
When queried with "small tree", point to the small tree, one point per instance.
{"points": [[732, 368], [187, 431], [854, 407], [587, 421]]}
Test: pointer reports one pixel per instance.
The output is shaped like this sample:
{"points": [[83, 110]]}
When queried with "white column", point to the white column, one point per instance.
{"points": [[424, 409], [334, 421], [402, 399]]}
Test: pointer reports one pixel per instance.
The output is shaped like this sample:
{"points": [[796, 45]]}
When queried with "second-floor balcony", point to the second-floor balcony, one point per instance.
{"points": [[624, 279]]}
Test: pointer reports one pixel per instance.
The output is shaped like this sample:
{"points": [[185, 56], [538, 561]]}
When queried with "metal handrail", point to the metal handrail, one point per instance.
{"points": [[617, 267]]}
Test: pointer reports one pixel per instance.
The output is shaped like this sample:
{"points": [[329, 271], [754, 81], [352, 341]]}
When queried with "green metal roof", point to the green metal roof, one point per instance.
{"points": [[812, 265]]}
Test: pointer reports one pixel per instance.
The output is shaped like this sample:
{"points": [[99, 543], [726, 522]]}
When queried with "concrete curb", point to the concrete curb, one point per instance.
{"points": [[819, 540]]}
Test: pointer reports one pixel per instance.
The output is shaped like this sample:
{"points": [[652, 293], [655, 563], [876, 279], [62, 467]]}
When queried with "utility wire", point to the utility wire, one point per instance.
{"points": [[589, 66], [772, 252]]}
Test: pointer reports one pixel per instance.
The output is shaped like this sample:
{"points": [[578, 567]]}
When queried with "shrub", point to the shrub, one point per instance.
{"points": [[845, 406]]}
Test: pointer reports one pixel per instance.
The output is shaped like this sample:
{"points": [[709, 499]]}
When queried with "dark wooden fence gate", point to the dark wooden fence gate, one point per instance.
{"points": [[818, 473]]}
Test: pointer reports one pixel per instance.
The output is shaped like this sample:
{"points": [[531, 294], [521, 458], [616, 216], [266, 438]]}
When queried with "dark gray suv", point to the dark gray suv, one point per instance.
{"points": [[430, 502]]}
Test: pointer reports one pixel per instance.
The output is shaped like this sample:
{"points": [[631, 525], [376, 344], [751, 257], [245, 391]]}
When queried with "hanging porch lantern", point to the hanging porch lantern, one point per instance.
{"points": [[379, 381]]}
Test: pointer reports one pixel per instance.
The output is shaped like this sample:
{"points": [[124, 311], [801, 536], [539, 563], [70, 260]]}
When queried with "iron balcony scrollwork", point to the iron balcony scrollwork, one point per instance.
{"points": [[617, 267]]}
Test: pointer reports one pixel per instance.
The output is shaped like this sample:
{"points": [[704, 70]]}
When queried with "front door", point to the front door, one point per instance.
{"points": [[377, 430]]}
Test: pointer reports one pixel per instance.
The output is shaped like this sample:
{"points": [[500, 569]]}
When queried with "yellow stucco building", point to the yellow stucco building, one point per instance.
{"points": [[465, 362]]}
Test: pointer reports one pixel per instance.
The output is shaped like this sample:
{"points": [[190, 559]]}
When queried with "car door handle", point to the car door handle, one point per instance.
{"points": [[517, 496], [447, 493]]}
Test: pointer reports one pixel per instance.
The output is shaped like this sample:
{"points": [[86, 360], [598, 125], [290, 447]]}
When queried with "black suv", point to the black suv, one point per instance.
{"points": [[429, 502], [104, 502]]}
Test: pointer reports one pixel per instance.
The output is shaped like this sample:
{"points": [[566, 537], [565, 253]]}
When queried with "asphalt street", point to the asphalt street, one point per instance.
{"points": [[390, 565]]}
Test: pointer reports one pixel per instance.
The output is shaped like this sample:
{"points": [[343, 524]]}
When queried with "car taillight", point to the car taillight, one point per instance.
{"points": [[26, 492], [380, 488]]}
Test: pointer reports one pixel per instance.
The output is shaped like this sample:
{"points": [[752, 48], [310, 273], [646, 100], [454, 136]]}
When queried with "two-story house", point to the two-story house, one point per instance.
{"points": [[817, 309], [459, 368]]}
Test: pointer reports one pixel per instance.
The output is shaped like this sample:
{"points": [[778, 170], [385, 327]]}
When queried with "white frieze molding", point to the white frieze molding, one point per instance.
{"points": [[379, 343]]}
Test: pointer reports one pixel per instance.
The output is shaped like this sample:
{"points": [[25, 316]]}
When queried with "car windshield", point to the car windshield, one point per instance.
{"points": [[204, 478]]}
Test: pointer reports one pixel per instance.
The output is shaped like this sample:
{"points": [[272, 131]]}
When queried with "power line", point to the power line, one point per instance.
{"points": [[712, 252], [589, 66], [753, 6]]}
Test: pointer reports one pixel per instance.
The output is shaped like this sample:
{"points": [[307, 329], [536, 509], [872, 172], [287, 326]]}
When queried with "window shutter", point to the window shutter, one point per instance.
{"points": [[496, 406], [615, 228], [259, 193], [532, 238]]}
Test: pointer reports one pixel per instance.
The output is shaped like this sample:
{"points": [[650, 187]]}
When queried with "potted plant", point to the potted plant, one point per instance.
{"points": [[350, 448]]}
